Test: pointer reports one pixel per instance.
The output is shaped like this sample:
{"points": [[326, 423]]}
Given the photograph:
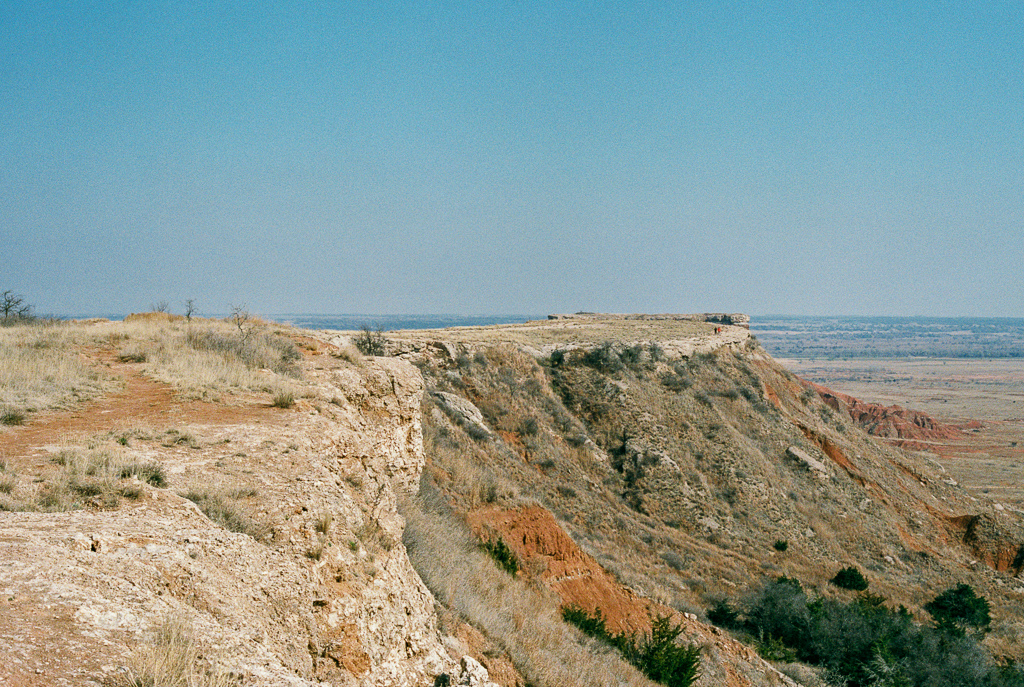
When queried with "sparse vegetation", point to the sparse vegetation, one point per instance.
{"points": [[86, 478], [283, 399], [546, 651], [172, 659], [371, 342], [222, 507]]}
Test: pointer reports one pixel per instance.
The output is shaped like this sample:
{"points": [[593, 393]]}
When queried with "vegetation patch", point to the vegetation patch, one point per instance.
{"points": [[371, 342], [864, 643], [222, 507], [171, 659], [658, 655], [502, 555], [850, 578]]}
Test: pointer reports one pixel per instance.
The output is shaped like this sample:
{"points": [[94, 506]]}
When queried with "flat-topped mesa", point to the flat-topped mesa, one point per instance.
{"points": [[735, 319]]}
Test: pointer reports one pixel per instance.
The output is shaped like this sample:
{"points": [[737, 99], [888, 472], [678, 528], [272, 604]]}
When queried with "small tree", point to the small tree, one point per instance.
{"points": [[190, 308], [13, 307], [958, 609], [243, 320]]}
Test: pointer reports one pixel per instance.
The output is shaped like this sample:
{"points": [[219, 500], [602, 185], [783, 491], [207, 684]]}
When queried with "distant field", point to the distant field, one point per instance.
{"points": [[890, 337], [987, 461]]}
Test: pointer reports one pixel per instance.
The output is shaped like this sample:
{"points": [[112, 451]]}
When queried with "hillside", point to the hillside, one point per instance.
{"points": [[311, 515], [677, 457]]}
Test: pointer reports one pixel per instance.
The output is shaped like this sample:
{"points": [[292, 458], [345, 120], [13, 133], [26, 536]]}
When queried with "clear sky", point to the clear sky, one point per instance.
{"points": [[498, 157]]}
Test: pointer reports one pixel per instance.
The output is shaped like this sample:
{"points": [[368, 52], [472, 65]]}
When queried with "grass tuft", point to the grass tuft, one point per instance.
{"points": [[11, 417], [221, 508], [283, 399]]}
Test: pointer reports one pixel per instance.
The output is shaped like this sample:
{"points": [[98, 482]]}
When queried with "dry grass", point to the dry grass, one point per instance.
{"points": [[208, 358], [223, 506], [583, 332], [41, 365], [39, 369], [523, 619], [172, 659], [98, 478]]}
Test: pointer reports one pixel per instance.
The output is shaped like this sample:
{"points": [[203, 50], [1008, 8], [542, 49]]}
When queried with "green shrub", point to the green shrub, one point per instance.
{"points": [[657, 655], [502, 555], [958, 609], [781, 545], [865, 644], [723, 615], [850, 578]]}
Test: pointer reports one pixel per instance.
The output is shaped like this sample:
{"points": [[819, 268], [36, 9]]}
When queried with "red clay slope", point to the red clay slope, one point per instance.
{"points": [[905, 427]]}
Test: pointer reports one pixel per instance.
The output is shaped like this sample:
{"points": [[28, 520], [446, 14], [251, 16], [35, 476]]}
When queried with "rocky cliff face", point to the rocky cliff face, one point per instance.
{"points": [[687, 474], [317, 590]]}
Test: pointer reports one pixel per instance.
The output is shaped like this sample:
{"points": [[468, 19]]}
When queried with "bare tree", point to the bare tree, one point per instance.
{"points": [[161, 306], [190, 308], [243, 320], [13, 306]]}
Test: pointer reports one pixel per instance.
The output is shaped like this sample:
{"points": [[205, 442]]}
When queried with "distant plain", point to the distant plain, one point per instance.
{"points": [[950, 369]]}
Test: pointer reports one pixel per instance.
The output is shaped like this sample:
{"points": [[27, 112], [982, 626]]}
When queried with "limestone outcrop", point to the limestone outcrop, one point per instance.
{"points": [[317, 591]]}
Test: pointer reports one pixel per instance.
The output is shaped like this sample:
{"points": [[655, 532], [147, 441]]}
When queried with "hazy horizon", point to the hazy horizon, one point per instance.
{"points": [[426, 157]]}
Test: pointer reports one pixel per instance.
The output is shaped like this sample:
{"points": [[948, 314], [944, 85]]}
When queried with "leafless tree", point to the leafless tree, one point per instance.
{"points": [[13, 306], [243, 320], [190, 308]]}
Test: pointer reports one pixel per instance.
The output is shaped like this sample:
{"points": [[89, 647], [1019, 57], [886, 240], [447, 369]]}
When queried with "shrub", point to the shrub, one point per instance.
{"points": [[779, 609], [780, 545], [370, 342], [657, 655], [723, 615], [958, 609], [864, 644], [850, 578], [502, 555], [603, 358]]}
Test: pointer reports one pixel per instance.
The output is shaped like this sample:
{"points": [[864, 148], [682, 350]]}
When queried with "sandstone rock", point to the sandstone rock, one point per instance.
{"points": [[461, 410], [801, 456]]}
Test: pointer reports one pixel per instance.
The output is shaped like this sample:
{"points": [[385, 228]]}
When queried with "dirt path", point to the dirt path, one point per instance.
{"points": [[141, 401]]}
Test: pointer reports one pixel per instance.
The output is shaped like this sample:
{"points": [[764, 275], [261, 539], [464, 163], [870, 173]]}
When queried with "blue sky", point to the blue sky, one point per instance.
{"points": [[443, 157]]}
